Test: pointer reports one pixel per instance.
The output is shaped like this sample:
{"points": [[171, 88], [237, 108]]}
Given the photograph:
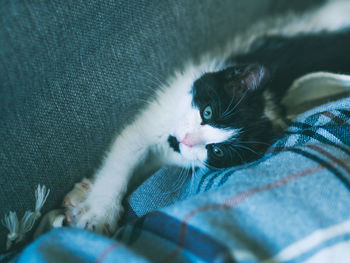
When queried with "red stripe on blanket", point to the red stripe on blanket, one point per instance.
{"points": [[334, 118], [104, 254], [235, 200], [330, 156], [315, 148]]}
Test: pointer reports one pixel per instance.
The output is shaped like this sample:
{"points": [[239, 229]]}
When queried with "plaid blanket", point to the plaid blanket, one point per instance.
{"points": [[293, 205]]}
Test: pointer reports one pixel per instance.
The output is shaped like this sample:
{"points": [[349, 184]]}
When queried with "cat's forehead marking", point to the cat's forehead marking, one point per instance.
{"points": [[209, 133], [218, 135]]}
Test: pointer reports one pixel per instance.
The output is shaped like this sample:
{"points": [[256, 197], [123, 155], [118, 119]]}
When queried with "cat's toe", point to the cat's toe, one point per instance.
{"points": [[77, 194]]}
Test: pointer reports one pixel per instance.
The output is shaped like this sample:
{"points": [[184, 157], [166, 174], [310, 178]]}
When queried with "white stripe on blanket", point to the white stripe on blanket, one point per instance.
{"points": [[329, 136], [338, 253], [316, 238]]}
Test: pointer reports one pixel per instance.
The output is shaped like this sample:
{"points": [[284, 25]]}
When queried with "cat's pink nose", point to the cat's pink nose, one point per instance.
{"points": [[191, 140]]}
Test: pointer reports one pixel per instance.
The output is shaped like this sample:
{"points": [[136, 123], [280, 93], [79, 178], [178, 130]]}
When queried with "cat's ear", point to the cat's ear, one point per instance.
{"points": [[246, 78]]}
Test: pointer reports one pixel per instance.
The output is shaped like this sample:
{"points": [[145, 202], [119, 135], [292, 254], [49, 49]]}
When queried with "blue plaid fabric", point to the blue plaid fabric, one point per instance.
{"points": [[290, 206]]}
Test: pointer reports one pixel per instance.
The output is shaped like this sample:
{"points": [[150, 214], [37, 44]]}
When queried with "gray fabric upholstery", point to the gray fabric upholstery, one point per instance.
{"points": [[73, 73]]}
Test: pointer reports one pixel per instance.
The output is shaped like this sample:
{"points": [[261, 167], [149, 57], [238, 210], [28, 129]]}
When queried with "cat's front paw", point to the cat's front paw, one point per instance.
{"points": [[96, 215]]}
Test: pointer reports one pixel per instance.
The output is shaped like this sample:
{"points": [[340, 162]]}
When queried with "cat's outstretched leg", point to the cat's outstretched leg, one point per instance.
{"points": [[101, 208]]}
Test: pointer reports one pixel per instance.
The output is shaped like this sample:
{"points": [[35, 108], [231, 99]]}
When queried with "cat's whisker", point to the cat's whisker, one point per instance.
{"points": [[237, 152], [247, 148], [143, 93], [155, 78], [208, 165], [141, 100], [229, 114], [237, 104], [253, 142], [139, 91], [184, 179], [180, 181], [228, 107]]}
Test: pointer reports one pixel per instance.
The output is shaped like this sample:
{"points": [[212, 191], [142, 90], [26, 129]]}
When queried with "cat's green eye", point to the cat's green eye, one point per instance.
{"points": [[207, 113], [217, 151]]}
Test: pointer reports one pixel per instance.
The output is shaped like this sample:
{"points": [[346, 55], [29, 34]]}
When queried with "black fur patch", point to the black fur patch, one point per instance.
{"points": [[174, 143], [289, 58], [235, 96]]}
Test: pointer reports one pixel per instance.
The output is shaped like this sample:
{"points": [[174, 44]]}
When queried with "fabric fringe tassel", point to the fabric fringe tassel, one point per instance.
{"points": [[11, 223], [41, 195], [26, 225], [17, 230]]}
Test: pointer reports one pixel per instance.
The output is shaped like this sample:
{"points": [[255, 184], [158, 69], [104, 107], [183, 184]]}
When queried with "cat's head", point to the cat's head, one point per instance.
{"points": [[225, 124]]}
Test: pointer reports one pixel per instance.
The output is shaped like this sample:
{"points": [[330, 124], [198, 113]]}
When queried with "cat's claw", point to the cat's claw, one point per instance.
{"points": [[78, 194], [83, 210], [96, 217]]}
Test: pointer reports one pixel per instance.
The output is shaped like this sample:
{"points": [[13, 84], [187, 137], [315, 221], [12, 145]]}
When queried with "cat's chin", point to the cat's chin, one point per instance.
{"points": [[196, 155]]}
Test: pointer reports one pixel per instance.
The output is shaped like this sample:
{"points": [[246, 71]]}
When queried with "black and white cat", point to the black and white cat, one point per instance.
{"points": [[224, 117]]}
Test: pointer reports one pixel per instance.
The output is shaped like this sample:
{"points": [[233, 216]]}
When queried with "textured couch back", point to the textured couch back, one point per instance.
{"points": [[73, 73]]}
